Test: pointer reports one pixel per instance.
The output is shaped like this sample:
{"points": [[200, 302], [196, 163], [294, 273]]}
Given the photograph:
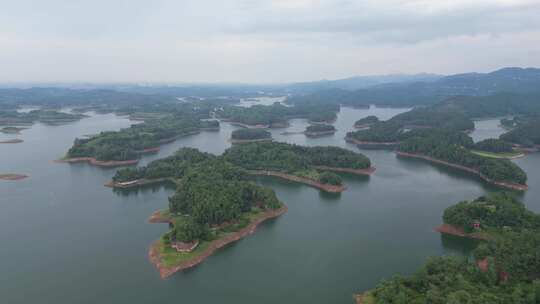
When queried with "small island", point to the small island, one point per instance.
{"points": [[452, 149], [12, 177], [12, 141], [125, 147], [242, 136], [504, 269], [366, 122], [12, 130], [319, 130], [525, 135], [214, 205], [14, 118], [300, 164]]}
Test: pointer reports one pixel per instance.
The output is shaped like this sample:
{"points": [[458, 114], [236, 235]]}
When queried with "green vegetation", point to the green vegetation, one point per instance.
{"points": [[320, 128], [282, 157], [525, 133], [173, 166], [330, 178], [11, 130], [366, 121], [395, 129], [453, 147], [211, 193], [497, 155], [493, 213], [44, 116], [277, 114], [509, 270], [494, 146], [250, 134], [129, 143]]}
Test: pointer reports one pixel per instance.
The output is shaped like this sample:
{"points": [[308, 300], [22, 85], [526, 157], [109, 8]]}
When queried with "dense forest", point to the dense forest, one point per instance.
{"points": [[506, 270], [129, 143], [442, 145], [173, 166], [394, 130], [250, 134], [320, 128], [12, 117], [494, 146], [493, 213], [278, 114], [526, 133], [366, 121], [211, 193]]}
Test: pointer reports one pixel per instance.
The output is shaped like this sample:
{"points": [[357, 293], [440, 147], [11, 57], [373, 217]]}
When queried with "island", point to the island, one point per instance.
{"points": [[319, 130], [242, 136], [300, 164], [12, 130], [214, 205], [14, 118], [505, 268], [451, 149], [276, 115], [525, 135], [366, 122], [12, 177], [388, 134], [124, 147], [12, 141]]}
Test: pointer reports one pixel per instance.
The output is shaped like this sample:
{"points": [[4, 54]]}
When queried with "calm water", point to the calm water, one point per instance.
{"points": [[67, 239]]}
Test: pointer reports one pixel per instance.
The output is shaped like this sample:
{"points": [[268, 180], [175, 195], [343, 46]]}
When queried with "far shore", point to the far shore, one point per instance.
{"points": [[503, 184], [154, 253], [320, 134], [299, 179]]}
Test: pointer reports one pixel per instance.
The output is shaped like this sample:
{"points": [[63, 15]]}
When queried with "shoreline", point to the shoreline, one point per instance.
{"points": [[367, 171], [136, 183], [320, 134], [99, 163], [166, 271], [457, 231], [298, 179], [390, 144], [247, 141], [508, 185], [13, 177]]}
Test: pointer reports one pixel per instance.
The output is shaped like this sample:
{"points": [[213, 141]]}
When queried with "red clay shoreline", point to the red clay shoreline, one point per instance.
{"points": [[164, 271], [367, 171], [371, 143], [458, 231], [298, 179], [12, 141], [99, 163], [508, 185], [136, 183]]}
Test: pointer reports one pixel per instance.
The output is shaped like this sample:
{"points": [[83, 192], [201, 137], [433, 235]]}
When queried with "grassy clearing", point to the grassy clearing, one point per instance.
{"points": [[170, 257]]}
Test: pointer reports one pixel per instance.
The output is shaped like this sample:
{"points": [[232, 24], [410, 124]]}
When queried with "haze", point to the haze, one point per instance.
{"points": [[261, 41]]}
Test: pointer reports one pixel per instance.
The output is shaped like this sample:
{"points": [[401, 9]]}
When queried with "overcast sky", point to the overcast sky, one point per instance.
{"points": [[261, 40]]}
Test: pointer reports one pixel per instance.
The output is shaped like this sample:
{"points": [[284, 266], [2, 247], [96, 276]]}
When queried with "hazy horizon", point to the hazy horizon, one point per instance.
{"points": [[262, 41]]}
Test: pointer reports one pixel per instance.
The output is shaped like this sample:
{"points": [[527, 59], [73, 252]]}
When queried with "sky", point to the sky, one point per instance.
{"points": [[261, 41]]}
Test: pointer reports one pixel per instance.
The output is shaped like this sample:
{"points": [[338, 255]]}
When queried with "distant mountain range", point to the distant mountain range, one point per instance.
{"points": [[510, 80]]}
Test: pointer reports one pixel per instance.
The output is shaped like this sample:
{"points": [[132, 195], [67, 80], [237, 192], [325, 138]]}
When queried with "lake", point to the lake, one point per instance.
{"points": [[68, 239]]}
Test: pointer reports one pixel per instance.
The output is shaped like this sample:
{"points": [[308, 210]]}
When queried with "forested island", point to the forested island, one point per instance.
{"points": [[319, 130], [308, 165], [277, 115], [452, 149], [214, 205], [14, 118], [366, 122], [505, 268], [391, 132], [11, 130], [524, 133], [250, 135], [12, 177], [124, 147]]}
